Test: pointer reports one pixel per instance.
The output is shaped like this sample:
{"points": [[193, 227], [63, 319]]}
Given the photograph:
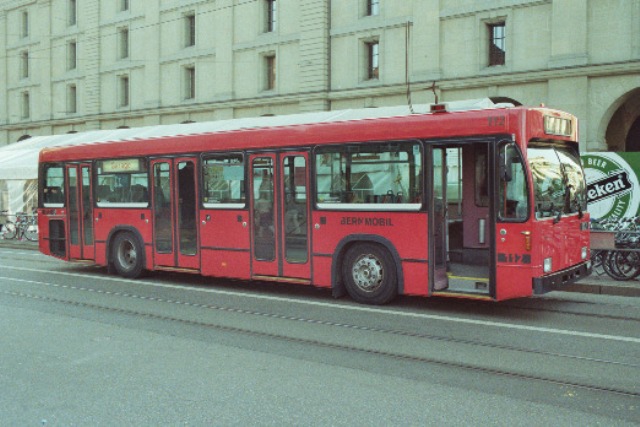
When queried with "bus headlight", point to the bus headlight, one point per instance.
{"points": [[584, 252], [546, 266]]}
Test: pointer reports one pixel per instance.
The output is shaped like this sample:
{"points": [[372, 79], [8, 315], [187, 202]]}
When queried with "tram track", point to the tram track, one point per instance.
{"points": [[539, 308], [336, 345], [574, 313], [542, 305]]}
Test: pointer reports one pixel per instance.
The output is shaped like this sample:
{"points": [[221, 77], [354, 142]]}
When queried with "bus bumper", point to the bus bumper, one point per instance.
{"points": [[556, 281]]}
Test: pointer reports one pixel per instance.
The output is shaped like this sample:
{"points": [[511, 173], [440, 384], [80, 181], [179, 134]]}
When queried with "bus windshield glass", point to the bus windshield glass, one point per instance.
{"points": [[558, 180]]}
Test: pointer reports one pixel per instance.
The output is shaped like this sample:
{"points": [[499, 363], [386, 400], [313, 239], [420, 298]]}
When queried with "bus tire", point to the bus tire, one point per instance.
{"points": [[369, 274], [127, 255]]}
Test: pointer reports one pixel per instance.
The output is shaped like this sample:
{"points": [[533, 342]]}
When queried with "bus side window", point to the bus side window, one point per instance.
{"points": [[53, 186], [223, 181], [122, 183], [513, 198], [365, 177]]}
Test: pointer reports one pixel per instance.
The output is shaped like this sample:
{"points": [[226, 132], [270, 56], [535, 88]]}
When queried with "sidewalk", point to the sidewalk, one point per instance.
{"points": [[605, 285], [594, 284]]}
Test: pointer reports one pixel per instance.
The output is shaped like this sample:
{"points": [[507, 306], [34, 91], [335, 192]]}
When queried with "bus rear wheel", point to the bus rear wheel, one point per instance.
{"points": [[127, 255], [369, 274]]}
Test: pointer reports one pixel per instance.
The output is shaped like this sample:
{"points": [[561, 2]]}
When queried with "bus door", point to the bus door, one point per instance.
{"points": [[80, 212], [175, 211], [279, 208], [513, 231], [460, 206], [438, 219]]}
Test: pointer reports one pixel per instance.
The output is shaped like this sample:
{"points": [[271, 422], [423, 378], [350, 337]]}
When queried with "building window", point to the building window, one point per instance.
{"points": [[373, 7], [270, 72], [25, 24], [123, 43], [72, 99], [24, 64], [72, 13], [496, 44], [26, 110], [190, 82], [190, 29], [271, 15], [373, 60], [72, 55], [123, 91], [124, 5]]}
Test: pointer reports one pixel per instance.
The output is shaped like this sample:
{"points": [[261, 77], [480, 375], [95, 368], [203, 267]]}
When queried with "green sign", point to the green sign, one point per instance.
{"points": [[612, 184]]}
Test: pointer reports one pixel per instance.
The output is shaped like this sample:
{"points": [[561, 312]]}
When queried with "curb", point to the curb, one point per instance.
{"points": [[618, 289]]}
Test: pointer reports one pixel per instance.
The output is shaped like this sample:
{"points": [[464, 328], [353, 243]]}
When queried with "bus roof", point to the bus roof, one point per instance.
{"points": [[396, 123], [200, 128]]}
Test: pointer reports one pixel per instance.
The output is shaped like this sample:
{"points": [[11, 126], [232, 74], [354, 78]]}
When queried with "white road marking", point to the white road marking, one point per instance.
{"points": [[366, 309]]}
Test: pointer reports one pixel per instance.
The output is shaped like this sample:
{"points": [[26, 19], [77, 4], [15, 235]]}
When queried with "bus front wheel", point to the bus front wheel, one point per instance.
{"points": [[127, 255], [369, 274]]}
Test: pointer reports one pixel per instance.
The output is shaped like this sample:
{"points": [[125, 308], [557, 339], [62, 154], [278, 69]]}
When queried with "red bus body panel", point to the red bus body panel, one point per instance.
{"points": [[224, 243]]}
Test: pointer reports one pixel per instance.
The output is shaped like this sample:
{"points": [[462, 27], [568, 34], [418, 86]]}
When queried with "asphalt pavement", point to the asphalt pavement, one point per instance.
{"points": [[600, 284]]}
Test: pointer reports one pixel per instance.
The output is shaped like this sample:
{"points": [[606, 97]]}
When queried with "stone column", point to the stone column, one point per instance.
{"points": [[314, 54]]}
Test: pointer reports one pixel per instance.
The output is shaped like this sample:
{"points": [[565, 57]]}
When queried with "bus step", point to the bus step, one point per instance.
{"points": [[470, 285]]}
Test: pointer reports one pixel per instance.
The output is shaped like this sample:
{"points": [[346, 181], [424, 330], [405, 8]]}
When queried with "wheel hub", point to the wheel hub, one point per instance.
{"points": [[127, 254], [368, 273]]}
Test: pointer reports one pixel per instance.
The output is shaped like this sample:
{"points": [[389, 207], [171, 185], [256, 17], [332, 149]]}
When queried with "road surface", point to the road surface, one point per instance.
{"points": [[82, 347]]}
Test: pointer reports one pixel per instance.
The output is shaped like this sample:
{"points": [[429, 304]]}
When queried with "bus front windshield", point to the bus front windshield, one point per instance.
{"points": [[558, 180]]}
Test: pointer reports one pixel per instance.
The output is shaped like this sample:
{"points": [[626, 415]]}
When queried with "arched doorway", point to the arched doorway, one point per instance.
{"points": [[633, 137], [623, 130]]}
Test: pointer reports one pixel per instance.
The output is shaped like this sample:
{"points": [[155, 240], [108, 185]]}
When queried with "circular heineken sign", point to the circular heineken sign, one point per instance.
{"points": [[612, 186]]}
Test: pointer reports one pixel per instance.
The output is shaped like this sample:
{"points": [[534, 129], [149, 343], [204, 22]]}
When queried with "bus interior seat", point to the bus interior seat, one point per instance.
{"points": [[54, 195], [103, 192], [138, 193]]}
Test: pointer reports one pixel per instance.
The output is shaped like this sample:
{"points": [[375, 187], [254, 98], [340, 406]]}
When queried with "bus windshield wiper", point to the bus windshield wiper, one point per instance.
{"points": [[576, 201], [558, 217]]}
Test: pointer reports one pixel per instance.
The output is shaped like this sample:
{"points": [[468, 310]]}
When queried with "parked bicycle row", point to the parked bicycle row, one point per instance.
{"points": [[622, 261], [21, 225]]}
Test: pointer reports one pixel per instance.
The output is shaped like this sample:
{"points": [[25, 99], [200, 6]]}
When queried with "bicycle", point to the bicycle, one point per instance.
{"points": [[25, 225], [622, 263]]}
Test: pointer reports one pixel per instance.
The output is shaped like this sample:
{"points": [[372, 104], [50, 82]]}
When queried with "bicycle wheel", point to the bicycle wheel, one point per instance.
{"points": [[9, 231], [597, 257], [608, 265], [31, 232], [622, 265], [627, 264]]}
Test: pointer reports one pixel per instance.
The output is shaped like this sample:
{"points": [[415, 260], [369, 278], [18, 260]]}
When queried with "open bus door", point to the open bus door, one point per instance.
{"points": [[175, 213], [460, 210], [279, 209], [80, 211], [481, 236]]}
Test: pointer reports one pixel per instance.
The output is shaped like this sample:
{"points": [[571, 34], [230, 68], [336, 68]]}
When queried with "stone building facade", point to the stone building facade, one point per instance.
{"points": [[75, 65]]}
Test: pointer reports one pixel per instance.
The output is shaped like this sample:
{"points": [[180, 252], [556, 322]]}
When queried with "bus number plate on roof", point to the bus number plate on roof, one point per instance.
{"points": [[121, 165]]}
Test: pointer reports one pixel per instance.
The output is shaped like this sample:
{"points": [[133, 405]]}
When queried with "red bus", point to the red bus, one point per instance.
{"points": [[486, 203]]}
